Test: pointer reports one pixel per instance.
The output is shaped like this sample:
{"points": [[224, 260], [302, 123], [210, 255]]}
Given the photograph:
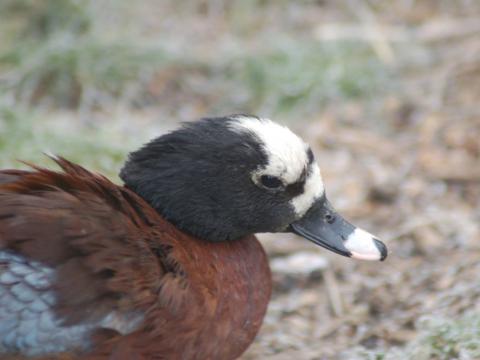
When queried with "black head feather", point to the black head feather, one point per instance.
{"points": [[199, 178]]}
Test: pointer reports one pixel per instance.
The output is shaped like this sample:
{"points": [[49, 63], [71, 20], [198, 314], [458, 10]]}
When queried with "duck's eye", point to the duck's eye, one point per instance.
{"points": [[270, 182]]}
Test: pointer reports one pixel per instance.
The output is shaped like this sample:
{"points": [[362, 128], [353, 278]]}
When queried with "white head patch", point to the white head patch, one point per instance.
{"points": [[313, 190], [287, 158]]}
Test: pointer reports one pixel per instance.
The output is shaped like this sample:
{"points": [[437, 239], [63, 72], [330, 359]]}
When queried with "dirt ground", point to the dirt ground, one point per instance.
{"points": [[413, 180], [419, 195]]}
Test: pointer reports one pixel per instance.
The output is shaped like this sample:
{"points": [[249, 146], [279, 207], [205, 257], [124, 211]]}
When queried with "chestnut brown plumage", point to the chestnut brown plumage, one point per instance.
{"points": [[112, 251]]}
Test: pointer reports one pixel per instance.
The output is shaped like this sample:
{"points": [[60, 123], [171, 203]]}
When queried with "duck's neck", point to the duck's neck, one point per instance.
{"points": [[241, 274], [229, 287]]}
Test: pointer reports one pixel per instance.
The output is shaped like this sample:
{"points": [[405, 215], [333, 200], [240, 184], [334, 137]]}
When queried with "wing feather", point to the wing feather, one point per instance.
{"points": [[74, 251]]}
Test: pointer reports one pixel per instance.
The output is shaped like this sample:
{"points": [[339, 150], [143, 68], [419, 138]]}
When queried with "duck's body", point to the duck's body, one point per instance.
{"points": [[167, 266], [96, 268]]}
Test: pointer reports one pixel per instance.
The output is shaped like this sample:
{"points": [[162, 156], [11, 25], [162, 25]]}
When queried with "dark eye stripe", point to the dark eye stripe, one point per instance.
{"points": [[310, 156], [296, 188]]}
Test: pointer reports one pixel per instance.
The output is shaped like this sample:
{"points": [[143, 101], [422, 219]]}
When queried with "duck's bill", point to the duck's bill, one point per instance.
{"points": [[325, 227]]}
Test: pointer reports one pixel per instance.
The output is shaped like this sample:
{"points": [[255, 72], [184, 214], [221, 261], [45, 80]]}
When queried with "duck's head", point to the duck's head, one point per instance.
{"points": [[221, 179]]}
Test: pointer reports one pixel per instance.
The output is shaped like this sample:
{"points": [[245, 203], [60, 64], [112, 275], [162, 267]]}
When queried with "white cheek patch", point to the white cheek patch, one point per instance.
{"points": [[362, 245], [313, 189]]}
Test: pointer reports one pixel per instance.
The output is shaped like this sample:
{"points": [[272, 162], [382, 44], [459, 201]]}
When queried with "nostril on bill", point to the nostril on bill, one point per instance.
{"points": [[330, 218]]}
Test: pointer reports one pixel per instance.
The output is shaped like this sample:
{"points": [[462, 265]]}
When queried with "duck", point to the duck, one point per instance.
{"points": [[165, 265]]}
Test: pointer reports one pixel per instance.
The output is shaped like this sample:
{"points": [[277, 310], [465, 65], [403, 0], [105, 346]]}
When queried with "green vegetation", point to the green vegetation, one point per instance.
{"points": [[293, 78], [57, 52], [65, 53], [439, 339], [446, 339], [70, 55], [27, 136]]}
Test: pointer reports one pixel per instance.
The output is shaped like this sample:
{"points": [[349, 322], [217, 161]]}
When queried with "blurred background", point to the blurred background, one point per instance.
{"points": [[386, 92]]}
